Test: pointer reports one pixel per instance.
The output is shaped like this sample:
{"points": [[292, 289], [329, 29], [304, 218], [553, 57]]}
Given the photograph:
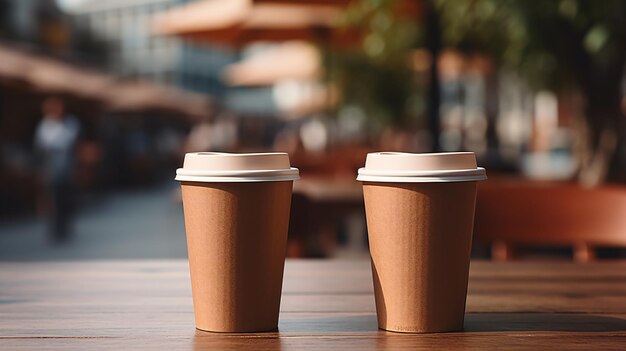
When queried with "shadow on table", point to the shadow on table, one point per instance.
{"points": [[474, 322], [563, 322], [225, 341], [360, 331]]}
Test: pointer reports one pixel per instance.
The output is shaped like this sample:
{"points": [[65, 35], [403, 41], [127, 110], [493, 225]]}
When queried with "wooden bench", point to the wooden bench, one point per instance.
{"points": [[511, 214]]}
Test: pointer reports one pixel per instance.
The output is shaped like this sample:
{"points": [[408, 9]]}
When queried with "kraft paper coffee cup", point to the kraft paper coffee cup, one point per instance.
{"points": [[420, 216], [236, 209]]}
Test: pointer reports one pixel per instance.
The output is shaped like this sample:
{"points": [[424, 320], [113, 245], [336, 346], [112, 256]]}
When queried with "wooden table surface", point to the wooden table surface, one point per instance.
{"points": [[326, 305]]}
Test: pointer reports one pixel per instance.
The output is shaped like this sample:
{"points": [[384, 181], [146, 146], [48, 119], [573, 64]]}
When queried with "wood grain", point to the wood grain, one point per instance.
{"points": [[137, 305]]}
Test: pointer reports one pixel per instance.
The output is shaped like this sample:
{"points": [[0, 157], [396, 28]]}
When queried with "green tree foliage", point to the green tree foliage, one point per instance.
{"points": [[374, 74], [550, 42], [556, 44]]}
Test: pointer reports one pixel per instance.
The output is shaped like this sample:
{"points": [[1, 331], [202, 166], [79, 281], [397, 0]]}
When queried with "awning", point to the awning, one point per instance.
{"points": [[50, 76], [143, 96]]}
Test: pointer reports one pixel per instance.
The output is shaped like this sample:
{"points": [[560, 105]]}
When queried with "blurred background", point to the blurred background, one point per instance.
{"points": [[99, 101]]}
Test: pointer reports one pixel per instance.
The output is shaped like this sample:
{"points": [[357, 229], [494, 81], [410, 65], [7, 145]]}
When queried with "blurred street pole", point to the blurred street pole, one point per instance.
{"points": [[433, 43]]}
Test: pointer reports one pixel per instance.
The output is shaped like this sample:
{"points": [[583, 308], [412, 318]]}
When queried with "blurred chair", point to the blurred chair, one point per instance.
{"points": [[319, 208], [516, 214]]}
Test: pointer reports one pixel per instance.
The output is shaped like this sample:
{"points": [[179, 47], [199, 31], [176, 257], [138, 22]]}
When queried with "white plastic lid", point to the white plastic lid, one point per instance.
{"points": [[400, 167], [232, 167]]}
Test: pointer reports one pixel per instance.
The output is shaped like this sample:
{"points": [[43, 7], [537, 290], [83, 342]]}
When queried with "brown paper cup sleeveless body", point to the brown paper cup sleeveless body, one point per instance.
{"points": [[236, 219], [420, 215]]}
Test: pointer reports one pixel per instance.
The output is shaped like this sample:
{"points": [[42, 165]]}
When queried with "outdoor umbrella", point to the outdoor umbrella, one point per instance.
{"points": [[238, 22], [292, 70], [294, 60]]}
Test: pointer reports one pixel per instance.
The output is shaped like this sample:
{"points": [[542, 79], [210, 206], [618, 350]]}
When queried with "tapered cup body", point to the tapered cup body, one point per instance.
{"points": [[420, 238], [420, 218], [236, 240], [236, 209]]}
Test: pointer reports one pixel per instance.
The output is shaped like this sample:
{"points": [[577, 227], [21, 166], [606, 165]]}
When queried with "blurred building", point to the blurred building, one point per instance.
{"points": [[124, 27], [38, 22]]}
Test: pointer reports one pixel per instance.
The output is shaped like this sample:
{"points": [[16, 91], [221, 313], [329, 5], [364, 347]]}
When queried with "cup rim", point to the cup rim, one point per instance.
{"points": [[424, 177], [237, 176]]}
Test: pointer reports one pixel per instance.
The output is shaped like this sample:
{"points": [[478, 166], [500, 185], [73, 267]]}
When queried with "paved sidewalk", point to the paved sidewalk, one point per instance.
{"points": [[130, 224]]}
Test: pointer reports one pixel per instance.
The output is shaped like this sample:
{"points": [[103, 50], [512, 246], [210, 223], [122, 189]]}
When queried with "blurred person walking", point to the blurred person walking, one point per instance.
{"points": [[55, 141]]}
